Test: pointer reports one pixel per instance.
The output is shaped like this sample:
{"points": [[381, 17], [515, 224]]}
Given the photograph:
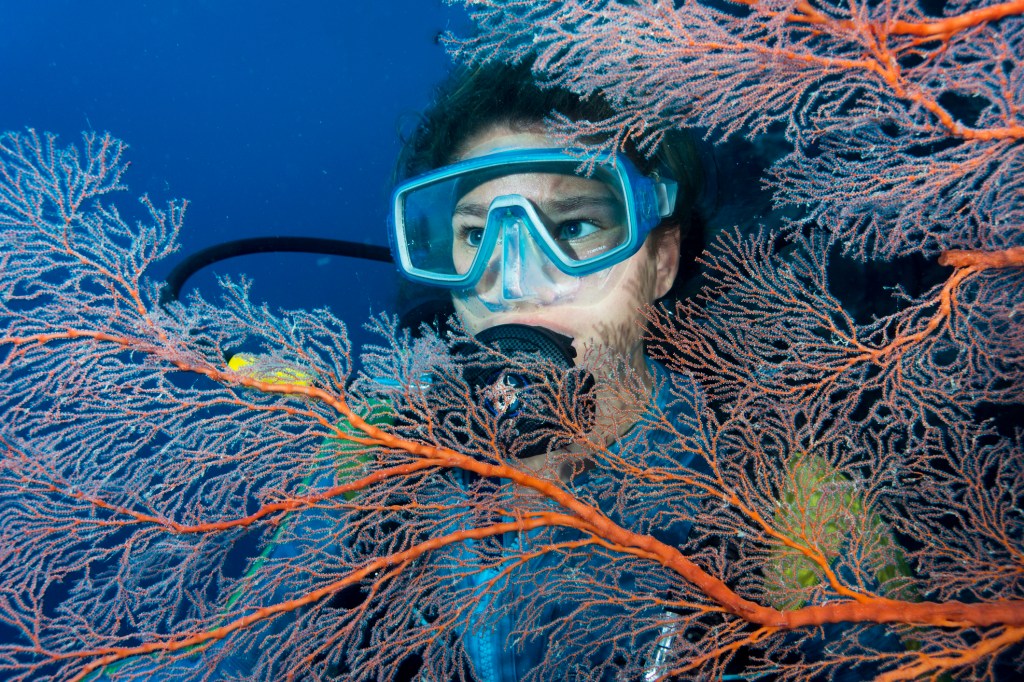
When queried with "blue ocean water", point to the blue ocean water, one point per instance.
{"points": [[270, 118]]}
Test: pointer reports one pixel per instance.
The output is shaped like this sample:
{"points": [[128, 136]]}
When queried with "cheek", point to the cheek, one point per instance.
{"points": [[635, 289], [618, 322], [473, 325], [646, 278]]}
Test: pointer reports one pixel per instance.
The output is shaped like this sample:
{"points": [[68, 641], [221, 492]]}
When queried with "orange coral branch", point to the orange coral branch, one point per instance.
{"points": [[932, 663], [950, 25], [593, 521], [114, 654], [968, 263], [753, 638], [983, 260], [283, 507], [937, 28], [884, 63]]}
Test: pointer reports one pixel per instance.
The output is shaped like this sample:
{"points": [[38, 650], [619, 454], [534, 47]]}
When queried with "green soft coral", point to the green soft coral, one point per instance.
{"points": [[349, 456], [821, 509]]}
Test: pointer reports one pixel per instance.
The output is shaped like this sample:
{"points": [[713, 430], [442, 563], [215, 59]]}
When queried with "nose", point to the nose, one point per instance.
{"points": [[515, 239], [515, 271]]}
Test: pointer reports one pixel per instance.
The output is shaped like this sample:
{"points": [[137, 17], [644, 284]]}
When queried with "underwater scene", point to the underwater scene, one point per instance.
{"points": [[501, 340]]}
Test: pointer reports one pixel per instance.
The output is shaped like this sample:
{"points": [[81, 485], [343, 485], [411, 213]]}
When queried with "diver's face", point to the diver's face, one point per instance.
{"points": [[606, 315]]}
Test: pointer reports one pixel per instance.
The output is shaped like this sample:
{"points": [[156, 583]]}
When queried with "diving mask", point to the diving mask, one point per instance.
{"points": [[525, 224]]}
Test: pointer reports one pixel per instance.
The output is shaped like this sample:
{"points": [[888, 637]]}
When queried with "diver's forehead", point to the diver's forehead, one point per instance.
{"points": [[543, 189], [539, 188], [502, 138]]}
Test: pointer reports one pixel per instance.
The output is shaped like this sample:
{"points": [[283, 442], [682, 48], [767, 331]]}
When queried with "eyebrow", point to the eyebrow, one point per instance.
{"points": [[557, 206], [470, 210], [578, 202]]}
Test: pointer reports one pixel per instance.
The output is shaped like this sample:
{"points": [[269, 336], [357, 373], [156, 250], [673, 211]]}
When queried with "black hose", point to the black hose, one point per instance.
{"points": [[243, 247]]}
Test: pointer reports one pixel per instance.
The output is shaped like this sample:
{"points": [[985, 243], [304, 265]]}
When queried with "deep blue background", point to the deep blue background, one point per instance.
{"points": [[271, 118]]}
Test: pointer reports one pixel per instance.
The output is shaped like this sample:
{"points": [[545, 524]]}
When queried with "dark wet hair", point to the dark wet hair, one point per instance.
{"points": [[472, 100]]}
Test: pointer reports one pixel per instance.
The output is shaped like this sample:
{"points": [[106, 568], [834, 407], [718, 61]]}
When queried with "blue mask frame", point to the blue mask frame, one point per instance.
{"points": [[646, 201]]}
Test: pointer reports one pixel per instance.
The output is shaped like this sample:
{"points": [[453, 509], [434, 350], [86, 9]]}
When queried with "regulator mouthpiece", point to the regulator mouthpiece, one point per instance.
{"points": [[526, 390]]}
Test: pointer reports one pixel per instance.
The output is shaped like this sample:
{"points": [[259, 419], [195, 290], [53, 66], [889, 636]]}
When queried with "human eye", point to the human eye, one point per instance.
{"points": [[469, 235], [576, 229]]}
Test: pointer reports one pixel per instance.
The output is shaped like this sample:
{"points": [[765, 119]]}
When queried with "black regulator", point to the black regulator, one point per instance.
{"points": [[529, 386]]}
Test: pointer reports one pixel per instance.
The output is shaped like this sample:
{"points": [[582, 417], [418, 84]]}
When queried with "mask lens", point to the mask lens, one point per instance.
{"points": [[449, 224], [428, 237], [589, 220]]}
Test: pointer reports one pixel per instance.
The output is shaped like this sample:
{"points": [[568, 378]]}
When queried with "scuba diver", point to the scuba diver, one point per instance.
{"points": [[532, 243], [533, 246]]}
